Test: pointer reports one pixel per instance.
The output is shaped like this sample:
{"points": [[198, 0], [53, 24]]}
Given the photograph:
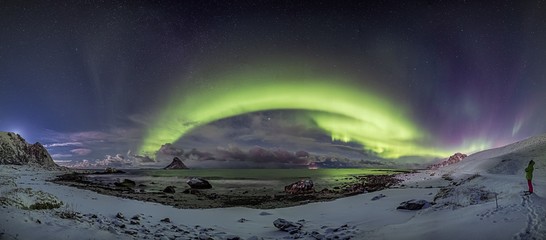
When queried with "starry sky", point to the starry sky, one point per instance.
{"points": [[103, 82]]}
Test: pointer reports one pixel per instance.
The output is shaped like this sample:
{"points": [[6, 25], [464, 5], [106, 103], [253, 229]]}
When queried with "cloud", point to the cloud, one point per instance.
{"points": [[63, 162], [118, 161], [63, 144], [60, 155], [81, 151], [169, 149]]}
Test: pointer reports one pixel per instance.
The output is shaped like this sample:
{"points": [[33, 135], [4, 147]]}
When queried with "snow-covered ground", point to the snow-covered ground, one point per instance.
{"points": [[478, 198]]}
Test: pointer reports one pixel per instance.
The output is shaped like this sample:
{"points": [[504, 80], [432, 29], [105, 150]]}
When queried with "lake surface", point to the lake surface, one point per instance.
{"points": [[263, 174]]}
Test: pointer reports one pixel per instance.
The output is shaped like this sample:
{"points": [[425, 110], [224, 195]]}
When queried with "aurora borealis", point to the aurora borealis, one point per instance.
{"points": [[346, 113], [114, 81]]}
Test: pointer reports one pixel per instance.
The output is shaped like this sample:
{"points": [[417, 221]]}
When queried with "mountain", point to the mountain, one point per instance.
{"points": [[176, 164], [455, 158], [15, 150]]}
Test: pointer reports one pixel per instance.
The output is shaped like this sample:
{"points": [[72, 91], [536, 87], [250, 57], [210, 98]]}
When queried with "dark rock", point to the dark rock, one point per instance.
{"points": [[167, 220], [232, 237], [94, 216], [73, 177], [301, 186], [136, 217], [198, 183], [176, 164], [38, 221], [287, 226], [265, 214], [414, 205], [242, 220], [135, 222], [378, 197], [120, 216], [169, 189], [110, 170]]}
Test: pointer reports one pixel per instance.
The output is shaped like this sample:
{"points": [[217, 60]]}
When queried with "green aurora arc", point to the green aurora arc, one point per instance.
{"points": [[339, 108]]}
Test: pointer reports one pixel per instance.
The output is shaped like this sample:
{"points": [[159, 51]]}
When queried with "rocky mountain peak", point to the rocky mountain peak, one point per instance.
{"points": [[455, 158], [15, 150], [176, 164]]}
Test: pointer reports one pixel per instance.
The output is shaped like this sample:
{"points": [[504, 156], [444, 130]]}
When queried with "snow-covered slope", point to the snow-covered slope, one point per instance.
{"points": [[484, 197], [508, 160]]}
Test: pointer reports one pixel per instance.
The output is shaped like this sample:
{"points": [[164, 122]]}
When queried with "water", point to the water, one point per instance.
{"points": [[263, 174], [157, 179]]}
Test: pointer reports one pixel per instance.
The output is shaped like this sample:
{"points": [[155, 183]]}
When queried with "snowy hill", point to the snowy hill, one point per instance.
{"points": [[508, 160], [482, 197]]}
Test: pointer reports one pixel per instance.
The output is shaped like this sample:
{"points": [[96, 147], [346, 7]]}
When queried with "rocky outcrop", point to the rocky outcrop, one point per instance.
{"points": [[15, 150], [169, 189], [455, 158], [301, 186], [198, 183], [414, 205], [176, 164], [287, 226]]}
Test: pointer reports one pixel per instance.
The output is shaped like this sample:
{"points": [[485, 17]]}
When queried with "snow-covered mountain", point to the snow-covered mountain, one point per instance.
{"points": [[15, 150]]}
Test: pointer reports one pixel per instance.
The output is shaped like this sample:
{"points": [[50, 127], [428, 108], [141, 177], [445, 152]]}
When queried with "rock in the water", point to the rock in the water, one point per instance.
{"points": [[301, 186], [15, 150], [169, 189], [287, 226], [176, 164], [414, 205], [110, 170], [198, 183], [167, 220]]}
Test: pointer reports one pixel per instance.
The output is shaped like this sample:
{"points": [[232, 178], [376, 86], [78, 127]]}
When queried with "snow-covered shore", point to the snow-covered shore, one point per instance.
{"points": [[465, 208]]}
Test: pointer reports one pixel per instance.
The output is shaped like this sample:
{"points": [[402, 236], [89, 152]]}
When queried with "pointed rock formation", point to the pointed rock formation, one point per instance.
{"points": [[176, 164], [15, 150]]}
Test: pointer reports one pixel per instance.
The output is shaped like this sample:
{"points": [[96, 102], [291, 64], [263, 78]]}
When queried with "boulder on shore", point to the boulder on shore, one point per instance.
{"points": [[287, 226], [414, 205], [301, 186], [198, 183], [169, 189]]}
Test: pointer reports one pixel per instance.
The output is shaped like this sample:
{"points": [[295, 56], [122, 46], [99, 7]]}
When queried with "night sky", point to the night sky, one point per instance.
{"points": [[112, 81]]}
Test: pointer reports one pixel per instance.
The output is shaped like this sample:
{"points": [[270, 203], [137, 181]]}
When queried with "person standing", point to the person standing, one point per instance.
{"points": [[529, 175]]}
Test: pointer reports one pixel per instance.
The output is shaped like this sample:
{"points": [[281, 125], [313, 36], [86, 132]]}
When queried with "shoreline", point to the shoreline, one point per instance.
{"points": [[257, 197]]}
